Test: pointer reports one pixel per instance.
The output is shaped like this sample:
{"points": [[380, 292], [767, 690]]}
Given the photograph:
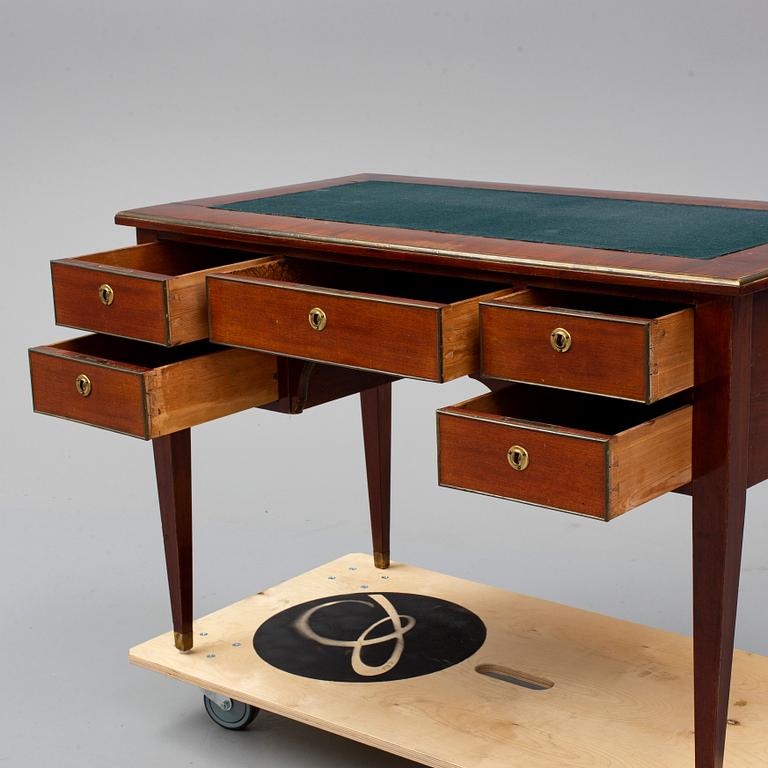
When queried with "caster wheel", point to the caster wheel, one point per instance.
{"points": [[238, 717]]}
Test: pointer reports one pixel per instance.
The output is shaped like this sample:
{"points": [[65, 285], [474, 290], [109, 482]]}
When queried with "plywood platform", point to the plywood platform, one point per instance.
{"points": [[600, 692]]}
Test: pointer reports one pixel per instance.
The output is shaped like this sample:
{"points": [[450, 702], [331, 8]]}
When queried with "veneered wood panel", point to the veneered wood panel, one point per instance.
{"points": [[116, 401], [758, 423], [372, 333], [159, 290], [148, 391], [736, 272], [644, 355], [472, 455], [587, 455], [607, 357], [138, 310]]}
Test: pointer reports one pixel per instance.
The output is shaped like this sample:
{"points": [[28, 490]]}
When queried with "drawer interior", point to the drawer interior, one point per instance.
{"points": [[110, 350], [168, 258], [437, 289], [553, 300], [568, 410]]}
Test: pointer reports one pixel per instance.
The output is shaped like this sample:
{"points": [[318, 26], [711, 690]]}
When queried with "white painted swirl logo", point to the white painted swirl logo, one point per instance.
{"points": [[401, 625]]}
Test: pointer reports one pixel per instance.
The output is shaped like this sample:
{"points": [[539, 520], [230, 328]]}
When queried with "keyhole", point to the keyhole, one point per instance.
{"points": [[317, 318], [560, 340], [83, 385], [518, 457], [106, 294]]}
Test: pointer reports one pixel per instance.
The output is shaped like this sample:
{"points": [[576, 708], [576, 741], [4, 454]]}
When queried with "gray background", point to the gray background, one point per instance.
{"points": [[108, 106]]}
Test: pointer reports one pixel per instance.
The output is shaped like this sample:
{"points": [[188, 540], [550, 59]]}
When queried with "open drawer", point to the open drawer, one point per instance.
{"points": [[566, 450], [608, 345], [153, 292], [147, 391], [402, 323]]}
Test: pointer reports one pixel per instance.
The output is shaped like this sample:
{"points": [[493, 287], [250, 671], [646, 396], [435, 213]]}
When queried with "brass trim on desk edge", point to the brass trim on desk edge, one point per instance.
{"points": [[597, 518], [90, 424], [528, 426], [513, 260], [95, 362], [338, 293], [589, 314], [143, 340], [577, 391], [401, 375]]}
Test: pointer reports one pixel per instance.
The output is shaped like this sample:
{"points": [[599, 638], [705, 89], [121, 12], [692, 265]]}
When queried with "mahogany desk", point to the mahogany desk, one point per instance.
{"points": [[630, 324]]}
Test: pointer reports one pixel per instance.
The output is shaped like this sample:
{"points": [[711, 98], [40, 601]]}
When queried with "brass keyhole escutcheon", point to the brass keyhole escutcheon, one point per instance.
{"points": [[317, 318], [106, 294], [83, 385], [560, 340], [518, 457]]}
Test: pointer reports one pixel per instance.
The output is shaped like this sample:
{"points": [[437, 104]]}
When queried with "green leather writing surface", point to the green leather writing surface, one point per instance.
{"points": [[670, 229]]}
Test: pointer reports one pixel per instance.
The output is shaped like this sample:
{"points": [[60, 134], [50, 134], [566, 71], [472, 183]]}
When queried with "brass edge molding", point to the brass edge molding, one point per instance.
{"points": [[598, 518], [560, 389], [94, 362], [398, 375], [119, 335], [112, 269], [334, 292], [89, 424], [604, 317], [528, 426], [513, 260]]}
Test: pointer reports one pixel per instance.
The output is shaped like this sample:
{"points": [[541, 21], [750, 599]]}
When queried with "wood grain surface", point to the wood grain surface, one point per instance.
{"points": [[159, 290], [621, 693], [625, 455], [741, 271], [404, 328], [645, 353], [720, 449], [147, 391]]}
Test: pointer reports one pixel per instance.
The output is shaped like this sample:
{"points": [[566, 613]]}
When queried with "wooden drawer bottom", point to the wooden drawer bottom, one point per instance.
{"points": [[578, 453]]}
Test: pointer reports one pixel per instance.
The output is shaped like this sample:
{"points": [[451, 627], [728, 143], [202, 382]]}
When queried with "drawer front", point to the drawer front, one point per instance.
{"points": [[607, 356], [580, 453], [151, 292], [138, 308], [360, 332], [116, 399], [473, 454], [116, 384], [619, 346]]}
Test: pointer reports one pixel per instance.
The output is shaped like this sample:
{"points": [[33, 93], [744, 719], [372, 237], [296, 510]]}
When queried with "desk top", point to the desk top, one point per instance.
{"points": [[669, 241]]}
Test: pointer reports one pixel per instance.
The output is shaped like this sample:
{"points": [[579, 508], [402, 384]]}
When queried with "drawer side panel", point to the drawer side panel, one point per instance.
{"points": [[194, 391], [650, 460]]}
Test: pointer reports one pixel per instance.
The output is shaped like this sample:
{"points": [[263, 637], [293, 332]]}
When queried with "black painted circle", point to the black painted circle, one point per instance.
{"points": [[369, 637]]}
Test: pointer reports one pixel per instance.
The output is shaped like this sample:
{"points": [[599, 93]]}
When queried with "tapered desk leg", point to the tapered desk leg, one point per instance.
{"points": [[173, 466], [720, 443], [376, 407]]}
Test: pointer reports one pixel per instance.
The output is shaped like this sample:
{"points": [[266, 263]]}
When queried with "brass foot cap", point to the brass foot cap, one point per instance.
{"points": [[183, 640], [381, 560]]}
